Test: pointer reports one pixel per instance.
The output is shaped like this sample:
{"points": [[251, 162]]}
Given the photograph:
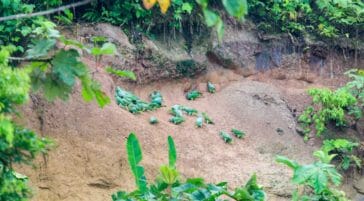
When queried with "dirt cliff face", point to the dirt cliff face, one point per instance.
{"points": [[90, 163]]}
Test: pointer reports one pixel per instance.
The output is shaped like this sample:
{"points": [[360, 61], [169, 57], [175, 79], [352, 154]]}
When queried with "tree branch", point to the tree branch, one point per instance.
{"points": [[47, 12], [30, 59]]}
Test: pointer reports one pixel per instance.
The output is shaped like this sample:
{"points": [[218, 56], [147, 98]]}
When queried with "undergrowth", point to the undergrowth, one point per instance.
{"points": [[170, 185], [341, 107]]}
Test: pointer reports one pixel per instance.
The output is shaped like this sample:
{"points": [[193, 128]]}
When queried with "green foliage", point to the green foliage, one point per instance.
{"points": [[17, 145], [236, 8], [193, 95], [134, 158], [211, 88], [316, 179], [66, 18], [226, 137], [131, 14], [322, 18], [133, 103], [328, 106], [172, 152], [170, 186], [14, 87], [121, 73], [20, 33], [356, 87], [343, 152], [238, 133]]}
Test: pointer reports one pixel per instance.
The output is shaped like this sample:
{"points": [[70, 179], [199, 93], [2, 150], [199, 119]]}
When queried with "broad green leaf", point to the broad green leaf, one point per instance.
{"points": [[187, 7], [71, 42], [220, 29], [242, 194], [67, 67], [134, 158], [121, 73], [323, 156], [108, 49], [236, 8], [317, 175], [6, 131], [101, 98], [172, 152], [91, 90], [53, 89], [105, 49], [40, 48], [168, 174], [202, 3], [290, 163], [211, 18]]}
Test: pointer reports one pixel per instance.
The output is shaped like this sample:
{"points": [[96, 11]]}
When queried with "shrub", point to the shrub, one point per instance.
{"points": [[343, 151], [316, 179], [170, 186], [341, 107], [327, 19]]}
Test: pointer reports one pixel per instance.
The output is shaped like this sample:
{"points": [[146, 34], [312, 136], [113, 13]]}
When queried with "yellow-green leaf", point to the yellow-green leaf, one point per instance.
{"points": [[148, 4]]}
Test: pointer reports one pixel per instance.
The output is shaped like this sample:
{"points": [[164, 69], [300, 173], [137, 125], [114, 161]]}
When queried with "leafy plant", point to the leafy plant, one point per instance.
{"points": [[121, 73], [343, 151], [327, 19], [17, 145], [169, 185], [356, 86], [342, 107], [66, 18], [328, 106], [317, 180]]}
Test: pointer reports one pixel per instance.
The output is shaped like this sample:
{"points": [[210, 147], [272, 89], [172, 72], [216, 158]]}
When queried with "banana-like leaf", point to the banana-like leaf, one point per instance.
{"points": [[134, 158], [172, 153]]}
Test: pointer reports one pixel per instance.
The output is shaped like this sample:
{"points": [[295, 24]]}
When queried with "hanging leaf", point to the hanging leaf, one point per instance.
{"points": [[40, 48], [121, 73], [211, 18], [67, 67], [148, 4], [164, 5], [236, 8], [106, 49]]}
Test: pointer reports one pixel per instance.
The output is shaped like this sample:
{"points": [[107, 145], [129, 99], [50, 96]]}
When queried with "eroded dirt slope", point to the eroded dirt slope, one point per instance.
{"points": [[90, 161]]}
